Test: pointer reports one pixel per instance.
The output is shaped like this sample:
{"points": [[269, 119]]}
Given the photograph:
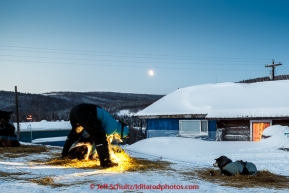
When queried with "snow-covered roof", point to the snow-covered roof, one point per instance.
{"points": [[224, 100]]}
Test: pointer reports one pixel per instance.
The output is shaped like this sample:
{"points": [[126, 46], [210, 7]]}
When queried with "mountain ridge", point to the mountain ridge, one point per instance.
{"points": [[57, 105]]}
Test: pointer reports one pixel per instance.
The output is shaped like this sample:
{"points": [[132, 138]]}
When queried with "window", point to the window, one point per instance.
{"points": [[204, 127], [193, 127]]}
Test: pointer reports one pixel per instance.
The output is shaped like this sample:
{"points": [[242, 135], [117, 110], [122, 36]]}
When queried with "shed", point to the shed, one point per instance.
{"points": [[236, 111]]}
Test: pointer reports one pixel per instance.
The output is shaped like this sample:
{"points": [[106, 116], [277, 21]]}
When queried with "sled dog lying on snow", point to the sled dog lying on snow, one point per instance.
{"points": [[229, 168]]}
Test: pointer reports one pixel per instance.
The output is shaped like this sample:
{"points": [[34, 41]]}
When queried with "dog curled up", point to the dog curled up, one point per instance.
{"points": [[229, 168]]}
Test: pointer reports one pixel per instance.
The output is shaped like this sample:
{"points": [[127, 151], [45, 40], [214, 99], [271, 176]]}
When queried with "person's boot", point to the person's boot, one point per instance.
{"points": [[104, 157]]}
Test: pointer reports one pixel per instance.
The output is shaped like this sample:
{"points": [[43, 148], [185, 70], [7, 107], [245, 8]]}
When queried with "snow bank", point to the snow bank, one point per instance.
{"points": [[279, 137], [273, 130], [49, 139], [44, 125]]}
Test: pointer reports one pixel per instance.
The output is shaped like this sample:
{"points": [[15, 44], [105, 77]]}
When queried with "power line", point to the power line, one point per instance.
{"points": [[146, 59], [110, 65], [118, 54], [99, 60], [122, 56], [285, 68]]}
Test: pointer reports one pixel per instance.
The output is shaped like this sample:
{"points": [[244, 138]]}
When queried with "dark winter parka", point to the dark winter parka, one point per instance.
{"points": [[7, 129]]}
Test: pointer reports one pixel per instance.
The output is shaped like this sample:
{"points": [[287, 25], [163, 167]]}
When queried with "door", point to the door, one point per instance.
{"points": [[258, 128]]}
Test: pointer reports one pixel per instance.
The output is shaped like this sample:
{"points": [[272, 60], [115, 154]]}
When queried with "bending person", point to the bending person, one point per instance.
{"points": [[99, 124]]}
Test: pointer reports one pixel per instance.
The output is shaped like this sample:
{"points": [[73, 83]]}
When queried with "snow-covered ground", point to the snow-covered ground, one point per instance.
{"points": [[187, 154]]}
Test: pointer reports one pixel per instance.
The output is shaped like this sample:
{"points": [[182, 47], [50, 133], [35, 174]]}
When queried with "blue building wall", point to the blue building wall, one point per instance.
{"points": [[170, 127], [163, 124], [162, 127], [212, 129]]}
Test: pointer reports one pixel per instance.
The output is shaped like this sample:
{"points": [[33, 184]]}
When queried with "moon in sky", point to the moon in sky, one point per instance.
{"points": [[151, 73]]}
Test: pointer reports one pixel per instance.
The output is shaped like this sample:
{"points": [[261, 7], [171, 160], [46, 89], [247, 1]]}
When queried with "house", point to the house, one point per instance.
{"points": [[224, 111]]}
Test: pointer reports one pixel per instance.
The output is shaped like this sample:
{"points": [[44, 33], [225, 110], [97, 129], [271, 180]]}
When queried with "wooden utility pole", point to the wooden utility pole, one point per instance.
{"points": [[17, 113], [273, 66]]}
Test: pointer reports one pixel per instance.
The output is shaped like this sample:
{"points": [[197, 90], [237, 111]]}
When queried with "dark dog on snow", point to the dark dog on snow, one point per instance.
{"points": [[229, 168]]}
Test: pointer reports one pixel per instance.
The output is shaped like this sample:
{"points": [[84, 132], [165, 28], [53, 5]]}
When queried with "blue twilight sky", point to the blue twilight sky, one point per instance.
{"points": [[110, 45]]}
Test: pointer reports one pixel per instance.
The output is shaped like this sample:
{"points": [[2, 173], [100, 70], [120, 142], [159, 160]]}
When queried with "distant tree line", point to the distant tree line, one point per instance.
{"points": [[265, 78], [57, 105]]}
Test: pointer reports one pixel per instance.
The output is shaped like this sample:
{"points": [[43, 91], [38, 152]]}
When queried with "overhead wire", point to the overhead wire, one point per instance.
{"points": [[285, 68], [120, 53], [102, 60], [147, 59], [106, 65]]}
